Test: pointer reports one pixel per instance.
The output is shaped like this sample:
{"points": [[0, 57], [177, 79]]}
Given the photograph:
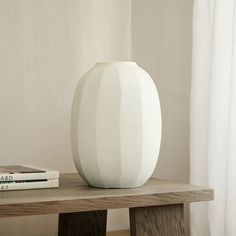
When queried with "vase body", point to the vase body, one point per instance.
{"points": [[116, 125]]}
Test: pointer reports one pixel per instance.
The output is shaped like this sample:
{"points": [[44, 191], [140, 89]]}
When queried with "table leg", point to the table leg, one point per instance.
{"points": [[167, 220], [90, 223]]}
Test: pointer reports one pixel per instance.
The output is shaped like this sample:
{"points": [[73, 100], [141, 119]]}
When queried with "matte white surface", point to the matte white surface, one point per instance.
{"points": [[116, 125]]}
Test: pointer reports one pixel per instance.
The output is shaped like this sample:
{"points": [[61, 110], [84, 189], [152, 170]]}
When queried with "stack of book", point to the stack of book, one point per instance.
{"points": [[27, 177]]}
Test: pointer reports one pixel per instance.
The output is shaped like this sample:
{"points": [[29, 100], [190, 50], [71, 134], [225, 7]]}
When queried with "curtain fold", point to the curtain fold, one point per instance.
{"points": [[213, 116]]}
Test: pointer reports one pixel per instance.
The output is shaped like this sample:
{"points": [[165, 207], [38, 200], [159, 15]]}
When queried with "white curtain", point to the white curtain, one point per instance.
{"points": [[213, 116]]}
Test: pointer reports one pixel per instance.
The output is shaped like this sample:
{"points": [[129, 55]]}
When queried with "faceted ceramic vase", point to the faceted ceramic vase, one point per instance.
{"points": [[116, 125]]}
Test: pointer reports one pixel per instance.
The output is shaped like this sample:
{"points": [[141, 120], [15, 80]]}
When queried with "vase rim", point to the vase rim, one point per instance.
{"points": [[116, 63]]}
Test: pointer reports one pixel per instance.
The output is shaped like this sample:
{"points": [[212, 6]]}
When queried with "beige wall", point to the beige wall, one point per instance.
{"points": [[45, 46], [161, 43]]}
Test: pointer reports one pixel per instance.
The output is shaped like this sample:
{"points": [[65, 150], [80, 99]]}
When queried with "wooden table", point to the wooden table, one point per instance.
{"points": [[157, 208]]}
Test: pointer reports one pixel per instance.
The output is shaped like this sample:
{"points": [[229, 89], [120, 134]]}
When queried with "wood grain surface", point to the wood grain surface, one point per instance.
{"points": [[73, 195], [88, 223], [157, 220], [119, 233]]}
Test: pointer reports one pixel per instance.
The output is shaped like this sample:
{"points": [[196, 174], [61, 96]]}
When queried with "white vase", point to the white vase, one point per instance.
{"points": [[116, 125]]}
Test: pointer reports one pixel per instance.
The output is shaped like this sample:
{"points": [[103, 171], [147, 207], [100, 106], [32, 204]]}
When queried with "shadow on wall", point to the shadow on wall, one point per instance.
{"points": [[161, 44]]}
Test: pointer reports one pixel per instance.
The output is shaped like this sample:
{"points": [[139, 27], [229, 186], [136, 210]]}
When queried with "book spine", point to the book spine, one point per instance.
{"points": [[29, 176], [33, 185]]}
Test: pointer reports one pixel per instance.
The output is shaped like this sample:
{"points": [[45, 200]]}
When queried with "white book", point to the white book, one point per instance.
{"points": [[25, 172], [52, 183]]}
